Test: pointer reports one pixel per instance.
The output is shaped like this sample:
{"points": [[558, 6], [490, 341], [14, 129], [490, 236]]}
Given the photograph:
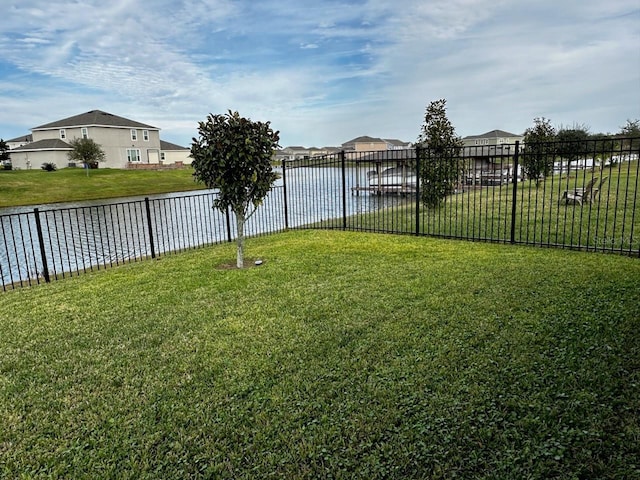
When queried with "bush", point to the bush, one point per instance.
{"points": [[49, 167], [7, 166]]}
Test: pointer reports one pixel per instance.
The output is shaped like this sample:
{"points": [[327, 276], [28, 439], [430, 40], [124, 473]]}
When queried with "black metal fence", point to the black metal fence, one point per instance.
{"points": [[42, 245], [588, 200]]}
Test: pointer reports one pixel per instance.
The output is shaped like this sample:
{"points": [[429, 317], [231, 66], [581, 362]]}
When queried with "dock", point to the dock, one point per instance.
{"points": [[385, 190]]}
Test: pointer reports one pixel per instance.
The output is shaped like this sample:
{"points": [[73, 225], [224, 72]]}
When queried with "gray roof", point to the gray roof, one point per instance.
{"points": [[48, 144], [364, 139], [396, 142], [23, 138], [95, 118], [170, 146], [494, 134]]}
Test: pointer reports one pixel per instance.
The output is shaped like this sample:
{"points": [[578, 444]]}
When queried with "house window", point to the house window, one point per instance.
{"points": [[63, 134], [85, 132], [162, 156], [133, 154], [145, 135], [134, 134]]}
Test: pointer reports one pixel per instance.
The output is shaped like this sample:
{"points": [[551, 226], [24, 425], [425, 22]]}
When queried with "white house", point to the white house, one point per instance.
{"points": [[19, 141]]}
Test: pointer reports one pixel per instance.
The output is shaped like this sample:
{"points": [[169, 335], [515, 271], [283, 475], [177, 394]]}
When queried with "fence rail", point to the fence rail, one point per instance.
{"points": [[588, 200], [490, 199], [43, 245]]}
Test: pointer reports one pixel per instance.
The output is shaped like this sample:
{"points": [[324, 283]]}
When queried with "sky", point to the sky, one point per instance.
{"points": [[322, 72]]}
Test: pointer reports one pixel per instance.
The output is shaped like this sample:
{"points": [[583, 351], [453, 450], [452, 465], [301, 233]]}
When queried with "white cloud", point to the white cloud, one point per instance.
{"points": [[322, 72]]}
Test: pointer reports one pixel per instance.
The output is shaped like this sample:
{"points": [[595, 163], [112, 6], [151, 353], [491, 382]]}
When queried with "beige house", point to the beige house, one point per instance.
{"points": [[301, 153], [172, 154], [126, 143], [491, 155], [292, 153], [365, 144], [492, 138], [371, 144]]}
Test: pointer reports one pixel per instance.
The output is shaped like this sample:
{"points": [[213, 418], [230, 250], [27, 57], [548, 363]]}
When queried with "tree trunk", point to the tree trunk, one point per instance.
{"points": [[240, 240]]}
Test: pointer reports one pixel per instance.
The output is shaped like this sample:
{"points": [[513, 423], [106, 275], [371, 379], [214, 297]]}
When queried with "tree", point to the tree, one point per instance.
{"points": [[85, 151], [440, 148], [233, 154], [537, 160], [631, 134], [572, 143], [4, 151]]}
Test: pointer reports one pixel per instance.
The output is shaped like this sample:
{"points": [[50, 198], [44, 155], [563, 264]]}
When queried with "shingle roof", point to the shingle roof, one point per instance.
{"points": [[94, 118], [396, 142], [170, 146], [23, 138], [47, 144], [494, 134], [364, 139]]}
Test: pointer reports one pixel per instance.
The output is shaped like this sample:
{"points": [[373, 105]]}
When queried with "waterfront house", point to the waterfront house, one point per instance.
{"points": [[126, 143], [490, 153]]}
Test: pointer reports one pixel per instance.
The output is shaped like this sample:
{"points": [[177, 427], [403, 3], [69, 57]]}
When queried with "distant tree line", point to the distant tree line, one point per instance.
{"points": [[543, 143]]}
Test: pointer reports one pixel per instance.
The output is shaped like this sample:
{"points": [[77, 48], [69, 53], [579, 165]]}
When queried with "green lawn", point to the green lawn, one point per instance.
{"points": [[345, 355], [610, 223], [32, 187]]}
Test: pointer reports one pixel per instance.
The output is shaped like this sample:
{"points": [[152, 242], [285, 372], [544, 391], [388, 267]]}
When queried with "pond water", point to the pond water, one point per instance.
{"points": [[78, 236]]}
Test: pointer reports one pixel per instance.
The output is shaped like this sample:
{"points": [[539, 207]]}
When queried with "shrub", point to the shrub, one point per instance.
{"points": [[49, 167]]}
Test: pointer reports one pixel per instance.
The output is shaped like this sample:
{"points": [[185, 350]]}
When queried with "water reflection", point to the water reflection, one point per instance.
{"points": [[80, 236]]}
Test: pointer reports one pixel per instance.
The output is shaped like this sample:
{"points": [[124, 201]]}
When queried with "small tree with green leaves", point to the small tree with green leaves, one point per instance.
{"points": [[85, 151], [440, 148], [539, 151], [631, 134], [572, 143], [233, 154]]}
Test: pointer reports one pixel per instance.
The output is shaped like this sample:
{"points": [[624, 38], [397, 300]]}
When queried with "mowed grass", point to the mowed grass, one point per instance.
{"points": [[33, 187], [345, 355], [610, 223]]}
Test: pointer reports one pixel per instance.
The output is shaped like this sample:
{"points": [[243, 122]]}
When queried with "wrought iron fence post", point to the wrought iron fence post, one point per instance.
{"points": [[45, 268], [150, 227], [417, 190], [516, 158], [284, 193], [344, 190]]}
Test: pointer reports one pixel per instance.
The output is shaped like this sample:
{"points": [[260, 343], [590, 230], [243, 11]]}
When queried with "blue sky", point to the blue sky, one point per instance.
{"points": [[323, 71]]}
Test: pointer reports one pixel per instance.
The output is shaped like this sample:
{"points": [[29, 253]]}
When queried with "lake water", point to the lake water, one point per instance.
{"points": [[86, 235]]}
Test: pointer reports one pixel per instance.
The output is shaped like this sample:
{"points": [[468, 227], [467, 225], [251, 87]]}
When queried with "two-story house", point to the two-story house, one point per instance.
{"points": [[19, 141], [491, 153], [356, 147], [126, 143], [365, 144]]}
